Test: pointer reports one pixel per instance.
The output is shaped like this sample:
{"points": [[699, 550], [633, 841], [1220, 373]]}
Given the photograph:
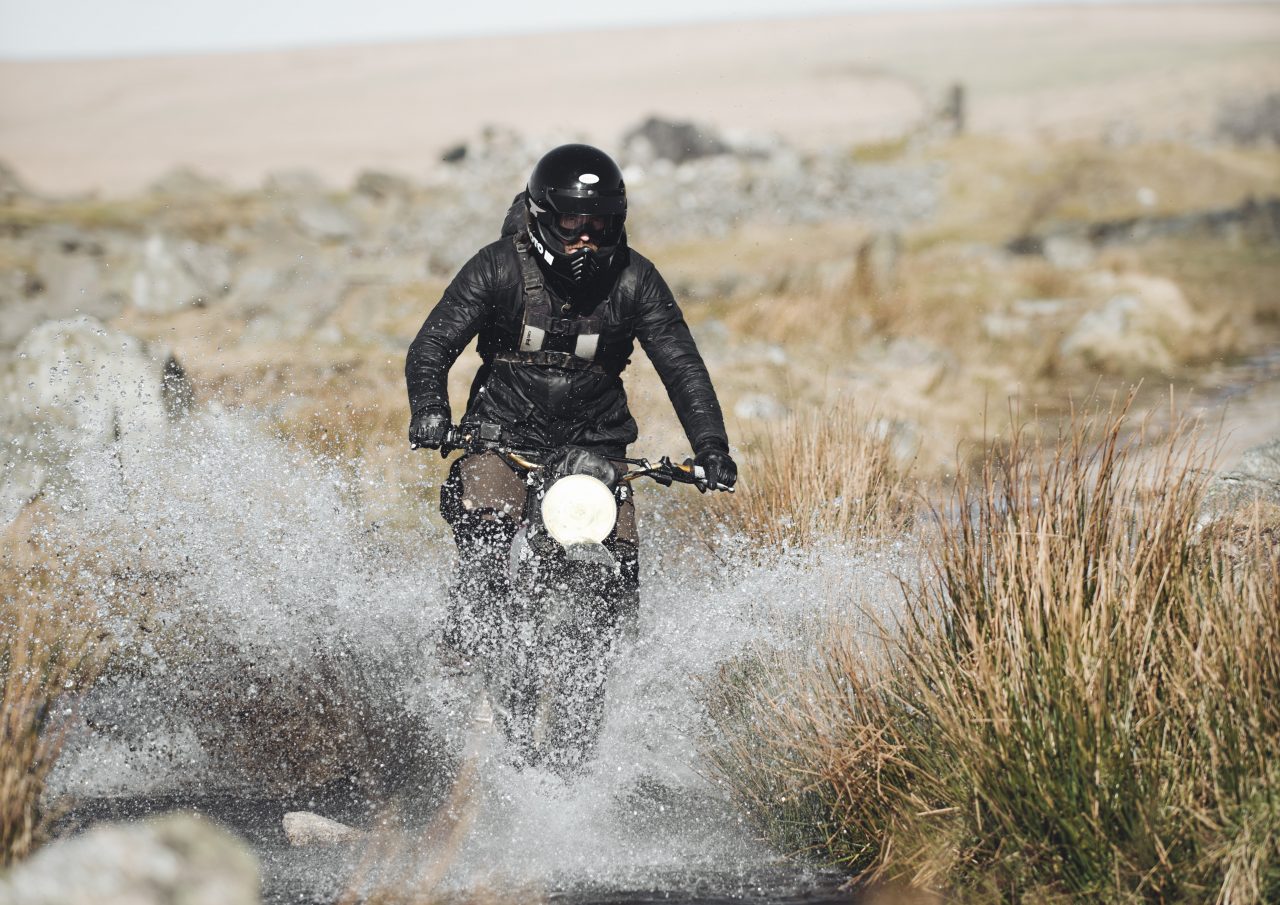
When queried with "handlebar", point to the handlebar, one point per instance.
{"points": [[488, 437]]}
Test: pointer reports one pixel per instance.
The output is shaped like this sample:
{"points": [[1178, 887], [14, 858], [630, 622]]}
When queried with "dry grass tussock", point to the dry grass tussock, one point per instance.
{"points": [[1081, 701], [819, 475], [49, 649]]}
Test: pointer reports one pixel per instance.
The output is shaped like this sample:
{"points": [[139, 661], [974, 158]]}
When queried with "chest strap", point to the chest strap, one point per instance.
{"points": [[542, 331], [551, 359]]}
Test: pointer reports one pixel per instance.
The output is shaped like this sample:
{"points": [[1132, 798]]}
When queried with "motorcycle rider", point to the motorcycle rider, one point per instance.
{"points": [[558, 302]]}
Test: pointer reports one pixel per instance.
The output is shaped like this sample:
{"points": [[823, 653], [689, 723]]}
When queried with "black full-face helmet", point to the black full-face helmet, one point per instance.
{"points": [[576, 194]]}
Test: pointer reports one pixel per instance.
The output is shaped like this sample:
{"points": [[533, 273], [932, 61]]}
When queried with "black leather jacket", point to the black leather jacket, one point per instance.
{"points": [[554, 406]]}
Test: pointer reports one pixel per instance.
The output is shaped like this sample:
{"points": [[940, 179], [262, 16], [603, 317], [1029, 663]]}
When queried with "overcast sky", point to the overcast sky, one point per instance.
{"points": [[62, 28]]}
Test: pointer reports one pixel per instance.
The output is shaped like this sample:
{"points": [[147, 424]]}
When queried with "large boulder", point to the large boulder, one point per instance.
{"points": [[178, 859], [282, 299], [905, 365], [1248, 489], [324, 221], [1261, 462], [63, 273], [1144, 324], [382, 185], [76, 386], [1251, 121], [292, 183], [178, 273], [185, 182], [677, 141]]}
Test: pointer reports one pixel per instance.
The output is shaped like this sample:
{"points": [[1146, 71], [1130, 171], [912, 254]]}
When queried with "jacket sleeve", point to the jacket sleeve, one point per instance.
{"points": [[452, 323], [666, 339]]}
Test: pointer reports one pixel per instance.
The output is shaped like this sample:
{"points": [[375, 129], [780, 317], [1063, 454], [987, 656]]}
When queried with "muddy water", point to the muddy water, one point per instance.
{"points": [[267, 577]]}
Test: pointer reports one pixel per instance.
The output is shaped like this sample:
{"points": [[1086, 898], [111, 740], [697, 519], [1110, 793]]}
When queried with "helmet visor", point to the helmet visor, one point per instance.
{"points": [[596, 228]]}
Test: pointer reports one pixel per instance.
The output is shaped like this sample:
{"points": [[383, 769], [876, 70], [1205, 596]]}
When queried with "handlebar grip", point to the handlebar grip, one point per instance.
{"points": [[699, 476]]}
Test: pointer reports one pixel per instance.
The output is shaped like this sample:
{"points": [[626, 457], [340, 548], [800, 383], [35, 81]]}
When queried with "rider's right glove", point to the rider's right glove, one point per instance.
{"points": [[718, 469], [429, 428]]}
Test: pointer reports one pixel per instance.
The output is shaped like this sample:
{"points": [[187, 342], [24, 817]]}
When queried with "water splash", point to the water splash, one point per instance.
{"points": [[268, 572]]}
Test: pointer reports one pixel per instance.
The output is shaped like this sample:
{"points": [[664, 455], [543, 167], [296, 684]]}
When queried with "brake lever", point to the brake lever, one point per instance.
{"points": [[688, 473]]}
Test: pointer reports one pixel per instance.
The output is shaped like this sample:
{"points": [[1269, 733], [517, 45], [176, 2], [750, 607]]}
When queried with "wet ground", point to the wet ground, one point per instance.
{"points": [[321, 875]]}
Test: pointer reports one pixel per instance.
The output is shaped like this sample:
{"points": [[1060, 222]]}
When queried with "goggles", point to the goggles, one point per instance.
{"points": [[568, 227]]}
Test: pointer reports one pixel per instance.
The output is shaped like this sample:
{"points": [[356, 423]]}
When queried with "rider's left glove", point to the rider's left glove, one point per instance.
{"points": [[429, 428], [718, 470]]}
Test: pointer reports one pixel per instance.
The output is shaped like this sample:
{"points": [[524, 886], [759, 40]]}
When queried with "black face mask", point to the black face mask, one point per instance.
{"points": [[585, 265]]}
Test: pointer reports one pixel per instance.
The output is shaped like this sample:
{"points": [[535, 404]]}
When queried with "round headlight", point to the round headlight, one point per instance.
{"points": [[579, 509]]}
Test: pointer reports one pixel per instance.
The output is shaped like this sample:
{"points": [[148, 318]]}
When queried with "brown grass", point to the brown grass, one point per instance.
{"points": [[822, 475], [1080, 702], [49, 649]]}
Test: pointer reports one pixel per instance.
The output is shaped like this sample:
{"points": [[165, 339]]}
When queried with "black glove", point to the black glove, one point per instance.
{"points": [[719, 470], [429, 428]]}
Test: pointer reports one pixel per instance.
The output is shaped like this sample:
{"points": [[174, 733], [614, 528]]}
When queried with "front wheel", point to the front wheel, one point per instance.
{"points": [[550, 679]]}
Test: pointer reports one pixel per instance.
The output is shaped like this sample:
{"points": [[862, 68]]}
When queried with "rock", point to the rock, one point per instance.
{"points": [[1039, 308], [283, 300], [305, 828], [185, 182], [499, 146], [1261, 462], [909, 363], [1024, 317], [177, 273], [1257, 220], [1145, 325], [673, 140], [60, 271], [1251, 121], [67, 281], [178, 859], [70, 283], [290, 183], [324, 221], [1069, 252], [76, 386], [1232, 493], [747, 143], [1002, 327], [756, 181], [1248, 489], [381, 185]]}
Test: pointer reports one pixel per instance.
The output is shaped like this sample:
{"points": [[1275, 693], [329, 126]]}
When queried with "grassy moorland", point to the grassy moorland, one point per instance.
{"points": [[1078, 700]]}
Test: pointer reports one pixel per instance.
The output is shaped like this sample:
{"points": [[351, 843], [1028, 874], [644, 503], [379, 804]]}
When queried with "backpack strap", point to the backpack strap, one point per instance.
{"points": [[542, 330]]}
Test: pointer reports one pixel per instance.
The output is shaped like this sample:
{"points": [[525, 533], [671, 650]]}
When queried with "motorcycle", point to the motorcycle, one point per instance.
{"points": [[547, 648]]}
